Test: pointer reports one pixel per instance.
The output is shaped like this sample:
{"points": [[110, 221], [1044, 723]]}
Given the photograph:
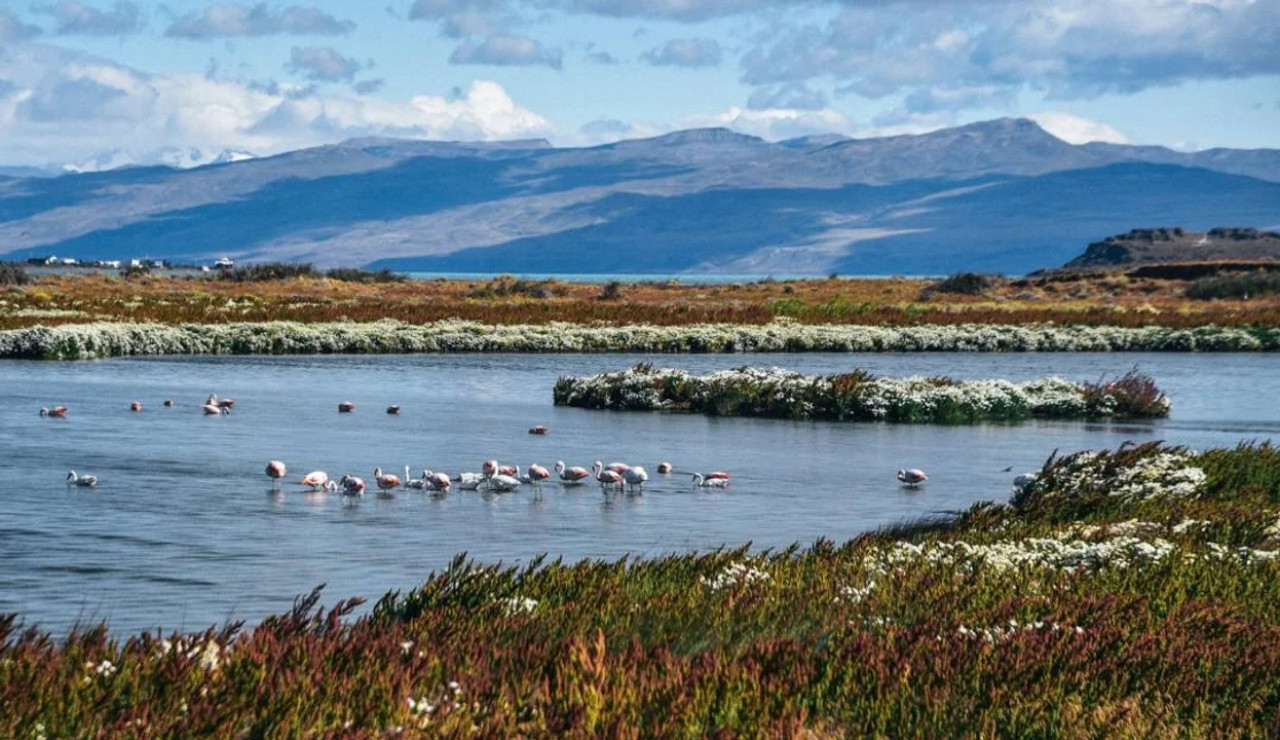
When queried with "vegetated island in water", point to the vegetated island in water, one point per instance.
{"points": [[1125, 594], [861, 396], [100, 340]]}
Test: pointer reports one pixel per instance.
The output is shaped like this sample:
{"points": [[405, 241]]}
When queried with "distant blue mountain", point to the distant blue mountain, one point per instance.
{"points": [[998, 196]]}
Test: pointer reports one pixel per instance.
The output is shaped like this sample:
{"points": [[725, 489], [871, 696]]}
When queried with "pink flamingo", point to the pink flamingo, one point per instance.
{"points": [[57, 412], [437, 481], [317, 480], [385, 482], [346, 407], [275, 471], [618, 467], [135, 406], [664, 468], [352, 486], [606, 477], [571, 476], [539, 429], [912, 477]]}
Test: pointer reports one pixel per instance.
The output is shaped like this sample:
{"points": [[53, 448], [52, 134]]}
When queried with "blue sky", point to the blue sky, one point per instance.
{"points": [[107, 82]]}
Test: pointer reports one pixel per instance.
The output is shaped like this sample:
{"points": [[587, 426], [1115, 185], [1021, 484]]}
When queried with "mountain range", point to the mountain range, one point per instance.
{"points": [[1000, 195]]}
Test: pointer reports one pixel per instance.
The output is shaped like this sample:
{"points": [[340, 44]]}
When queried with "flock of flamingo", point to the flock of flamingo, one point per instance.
{"points": [[493, 477]]}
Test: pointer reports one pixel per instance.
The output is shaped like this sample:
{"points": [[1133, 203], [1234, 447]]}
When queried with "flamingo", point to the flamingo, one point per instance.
{"points": [[571, 476], [912, 478], [617, 467], [135, 406], [491, 468], [86, 481], [275, 471], [213, 409], [704, 482], [318, 480], [385, 482], [222, 403], [636, 477], [539, 429], [664, 467], [346, 407], [606, 477], [438, 482], [393, 410], [57, 412], [536, 473], [469, 481], [352, 486]]}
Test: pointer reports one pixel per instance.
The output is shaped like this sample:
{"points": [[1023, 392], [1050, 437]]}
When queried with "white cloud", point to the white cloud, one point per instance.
{"points": [[65, 106], [322, 64], [774, 124], [74, 17], [1077, 130], [233, 19]]}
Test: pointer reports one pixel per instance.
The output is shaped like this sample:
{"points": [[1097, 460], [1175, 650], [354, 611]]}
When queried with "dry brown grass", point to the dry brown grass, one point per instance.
{"points": [[1102, 300]]}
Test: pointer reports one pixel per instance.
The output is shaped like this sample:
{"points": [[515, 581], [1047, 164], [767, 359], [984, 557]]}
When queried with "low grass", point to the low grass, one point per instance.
{"points": [[1112, 599], [362, 297]]}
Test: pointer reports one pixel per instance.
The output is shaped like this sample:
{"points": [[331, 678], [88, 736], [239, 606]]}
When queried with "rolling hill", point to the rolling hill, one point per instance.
{"points": [[1000, 196]]}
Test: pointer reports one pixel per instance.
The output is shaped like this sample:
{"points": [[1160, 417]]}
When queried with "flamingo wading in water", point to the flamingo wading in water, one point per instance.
{"points": [[702, 481], [275, 471], [606, 477], [912, 477], [636, 477], [352, 486], [574, 476], [317, 480], [385, 482]]}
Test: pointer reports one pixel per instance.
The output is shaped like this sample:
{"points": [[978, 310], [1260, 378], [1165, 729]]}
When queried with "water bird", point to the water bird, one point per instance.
{"points": [[664, 468], [501, 483], [702, 481], [606, 477], [393, 410], [352, 486], [222, 403], [417, 484], [539, 429], [168, 403], [85, 481], [275, 471], [346, 407], [135, 406], [571, 476], [912, 477], [438, 482], [316, 479], [636, 477], [212, 409], [469, 481], [387, 481], [491, 468], [617, 467], [57, 412]]}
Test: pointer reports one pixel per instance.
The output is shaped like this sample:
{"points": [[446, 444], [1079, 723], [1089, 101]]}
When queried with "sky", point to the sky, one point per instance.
{"points": [[89, 84]]}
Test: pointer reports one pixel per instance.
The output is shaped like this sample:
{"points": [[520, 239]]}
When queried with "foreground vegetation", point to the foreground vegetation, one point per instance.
{"points": [[290, 293], [1125, 594], [860, 396], [89, 341]]}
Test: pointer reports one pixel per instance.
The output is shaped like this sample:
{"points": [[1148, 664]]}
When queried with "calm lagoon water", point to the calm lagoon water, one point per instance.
{"points": [[183, 531]]}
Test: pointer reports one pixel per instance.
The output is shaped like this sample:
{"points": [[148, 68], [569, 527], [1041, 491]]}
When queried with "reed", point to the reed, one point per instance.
{"points": [[859, 396], [109, 339], [1153, 616]]}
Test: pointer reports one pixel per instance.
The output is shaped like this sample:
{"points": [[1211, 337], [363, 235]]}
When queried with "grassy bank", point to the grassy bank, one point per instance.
{"points": [[860, 396], [1123, 595], [1096, 300], [88, 341]]}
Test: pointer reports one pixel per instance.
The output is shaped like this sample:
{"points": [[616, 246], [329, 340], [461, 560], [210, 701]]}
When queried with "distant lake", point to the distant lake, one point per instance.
{"points": [[183, 531], [683, 278]]}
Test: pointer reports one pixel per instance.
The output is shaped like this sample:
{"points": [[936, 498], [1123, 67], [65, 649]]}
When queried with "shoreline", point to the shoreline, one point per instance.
{"points": [[104, 340]]}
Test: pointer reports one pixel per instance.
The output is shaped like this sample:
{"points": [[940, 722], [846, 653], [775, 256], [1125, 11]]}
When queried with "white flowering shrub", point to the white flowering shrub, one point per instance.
{"points": [[87, 341], [857, 396]]}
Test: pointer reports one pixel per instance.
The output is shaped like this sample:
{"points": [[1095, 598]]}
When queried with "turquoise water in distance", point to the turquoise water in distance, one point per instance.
{"points": [[683, 278], [184, 531]]}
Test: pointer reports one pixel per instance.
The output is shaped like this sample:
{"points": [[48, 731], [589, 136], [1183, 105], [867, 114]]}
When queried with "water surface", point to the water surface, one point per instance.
{"points": [[183, 531]]}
